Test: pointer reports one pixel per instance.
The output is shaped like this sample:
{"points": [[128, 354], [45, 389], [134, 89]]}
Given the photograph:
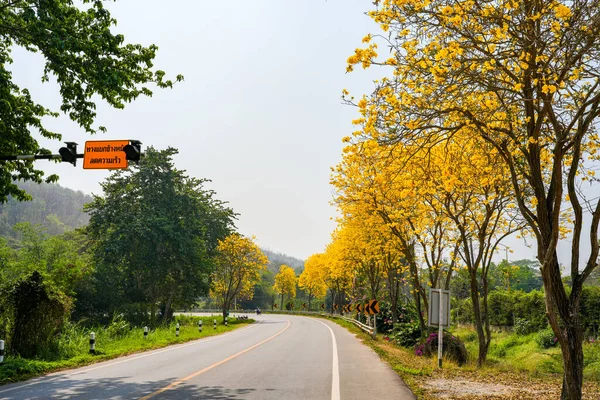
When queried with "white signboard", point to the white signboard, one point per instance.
{"points": [[435, 313]]}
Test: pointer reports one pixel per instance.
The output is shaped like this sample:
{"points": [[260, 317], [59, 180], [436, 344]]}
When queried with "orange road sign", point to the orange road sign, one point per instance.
{"points": [[323, 305], [367, 309], [359, 308], [275, 305], [303, 305], [335, 306], [105, 154], [349, 307], [373, 307]]}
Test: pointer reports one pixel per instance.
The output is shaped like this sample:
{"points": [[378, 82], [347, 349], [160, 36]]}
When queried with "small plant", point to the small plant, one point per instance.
{"points": [[546, 339], [524, 326], [452, 347], [406, 334], [118, 327], [471, 336]]}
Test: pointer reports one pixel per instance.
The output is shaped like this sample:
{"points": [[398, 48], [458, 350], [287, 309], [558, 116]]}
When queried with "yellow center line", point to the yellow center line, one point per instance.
{"points": [[187, 378]]}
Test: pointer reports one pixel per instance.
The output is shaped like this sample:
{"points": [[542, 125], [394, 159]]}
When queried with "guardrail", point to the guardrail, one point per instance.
{"points": [[364, 327]]}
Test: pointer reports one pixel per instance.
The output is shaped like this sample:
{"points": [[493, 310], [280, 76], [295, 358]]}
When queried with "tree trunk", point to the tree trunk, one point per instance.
{"points": [[168, 308], [572, 352], [226, 305], [281, 302], [332, 300], [567, 328], [153, 314], [483, 342], [422, 326], [394, 294]]}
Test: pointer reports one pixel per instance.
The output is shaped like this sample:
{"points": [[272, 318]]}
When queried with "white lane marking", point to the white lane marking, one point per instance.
{"points": [[146, 354], [335, 371]]}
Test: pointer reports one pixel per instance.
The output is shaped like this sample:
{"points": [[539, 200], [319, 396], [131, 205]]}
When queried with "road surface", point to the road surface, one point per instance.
{"points": [[279, 357]]}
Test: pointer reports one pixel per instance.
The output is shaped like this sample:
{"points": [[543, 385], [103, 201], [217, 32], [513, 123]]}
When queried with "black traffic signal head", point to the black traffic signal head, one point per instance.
{"points": [[133, 150], [69, 153]]}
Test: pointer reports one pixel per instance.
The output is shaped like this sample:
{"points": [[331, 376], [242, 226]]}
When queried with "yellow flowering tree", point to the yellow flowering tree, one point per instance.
{"points": [[522, 76], [311, 279], [238, 264], [338, 271], [285, 283]]}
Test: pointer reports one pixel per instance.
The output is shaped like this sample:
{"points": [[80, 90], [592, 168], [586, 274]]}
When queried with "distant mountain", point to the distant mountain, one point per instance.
{"points": [[56, 208], [277, 259]]}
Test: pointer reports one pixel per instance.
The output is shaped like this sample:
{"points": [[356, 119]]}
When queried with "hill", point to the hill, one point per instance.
{"points": [[276, 259], [54, 207]]}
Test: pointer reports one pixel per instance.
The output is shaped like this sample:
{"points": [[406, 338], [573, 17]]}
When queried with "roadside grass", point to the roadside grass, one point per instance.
{"points": [[116, 340], [515, 362]]}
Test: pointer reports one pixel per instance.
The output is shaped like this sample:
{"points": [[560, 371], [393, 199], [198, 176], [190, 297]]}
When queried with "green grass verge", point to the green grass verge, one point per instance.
{"points": [[111, 345], [516, 353]]}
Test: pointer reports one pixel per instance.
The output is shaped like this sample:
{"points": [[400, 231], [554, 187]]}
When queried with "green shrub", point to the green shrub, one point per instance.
{"points": [[406, 334], [118, 327], [39, 310], [501, 307], [546, 339], [471, 336], [405, 313], [524, 326], [500, 348], [452, 347]]}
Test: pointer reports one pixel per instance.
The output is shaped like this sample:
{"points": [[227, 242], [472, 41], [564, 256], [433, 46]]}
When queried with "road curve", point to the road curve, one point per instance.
{"points": [[279, 357]]}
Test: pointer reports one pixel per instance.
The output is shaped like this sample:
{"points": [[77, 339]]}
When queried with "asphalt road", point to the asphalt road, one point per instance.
{"points": [[279, 357]]}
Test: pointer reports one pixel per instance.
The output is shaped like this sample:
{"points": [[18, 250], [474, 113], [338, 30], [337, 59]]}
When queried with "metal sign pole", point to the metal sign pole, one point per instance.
{"points": [[440, 329]]}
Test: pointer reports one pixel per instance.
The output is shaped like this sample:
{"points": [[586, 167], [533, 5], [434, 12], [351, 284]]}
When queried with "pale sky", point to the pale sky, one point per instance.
{"points": [[259, 112]]}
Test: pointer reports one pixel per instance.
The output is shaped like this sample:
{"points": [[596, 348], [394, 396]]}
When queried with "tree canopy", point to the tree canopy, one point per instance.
{"points": [[521, 77], [86, 59], [238, 266], [155, 233]]}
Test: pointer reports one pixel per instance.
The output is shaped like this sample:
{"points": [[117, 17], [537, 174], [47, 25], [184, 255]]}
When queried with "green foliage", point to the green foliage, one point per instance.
{"points": [[118, 327], [406, 334], [500, 348], [590, 310], [462, 310], [546, 339], [507, 307], [39, 311], [87, 60], [459, 284], [524, 327], [72, 349], [155, 234]]}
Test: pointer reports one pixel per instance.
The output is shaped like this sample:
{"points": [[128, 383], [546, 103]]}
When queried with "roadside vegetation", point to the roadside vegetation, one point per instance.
{"points": [[119, 338], [518, 367], [132, 265]]}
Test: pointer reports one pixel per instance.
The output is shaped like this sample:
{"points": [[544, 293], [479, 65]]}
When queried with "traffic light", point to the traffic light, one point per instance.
{"points": [[69, 153], [133, 150]]}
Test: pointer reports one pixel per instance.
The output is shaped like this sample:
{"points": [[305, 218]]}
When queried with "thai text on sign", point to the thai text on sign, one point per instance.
{"points": [[105, 154]]}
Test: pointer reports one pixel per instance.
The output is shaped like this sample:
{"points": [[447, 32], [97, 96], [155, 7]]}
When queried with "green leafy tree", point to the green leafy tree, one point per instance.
{"points": [[87, 60], [155, 232]]}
